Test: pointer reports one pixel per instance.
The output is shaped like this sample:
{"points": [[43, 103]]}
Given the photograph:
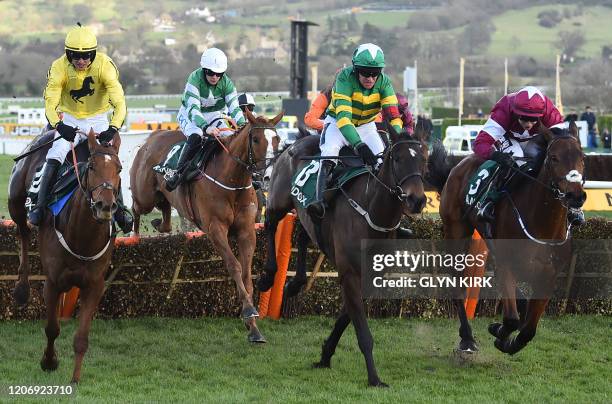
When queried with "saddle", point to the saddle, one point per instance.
{"points": [[303, 183], [196, 165], [66, 180]]}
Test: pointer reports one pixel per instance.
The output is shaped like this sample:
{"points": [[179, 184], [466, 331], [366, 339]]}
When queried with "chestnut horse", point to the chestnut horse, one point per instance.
{"points": [[220, 203], [396, 190], [534, 215], [75, 247]]}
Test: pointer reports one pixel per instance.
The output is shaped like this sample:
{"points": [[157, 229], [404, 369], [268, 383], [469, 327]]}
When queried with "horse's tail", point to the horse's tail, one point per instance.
{"points": [[438, 166]]}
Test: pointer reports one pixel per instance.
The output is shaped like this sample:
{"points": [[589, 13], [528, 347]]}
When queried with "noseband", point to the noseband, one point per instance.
{"points": [[89, 193]]}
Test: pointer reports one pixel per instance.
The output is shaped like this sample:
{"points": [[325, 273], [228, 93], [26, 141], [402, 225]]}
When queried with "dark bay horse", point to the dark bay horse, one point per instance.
{"points": [[533, 216], [75, 248], [395, 191], [220, 203]]}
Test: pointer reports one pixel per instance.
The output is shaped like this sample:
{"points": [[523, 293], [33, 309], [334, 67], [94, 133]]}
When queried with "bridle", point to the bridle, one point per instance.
{"points": [[396, 188], [251, 162], [89, 193]]}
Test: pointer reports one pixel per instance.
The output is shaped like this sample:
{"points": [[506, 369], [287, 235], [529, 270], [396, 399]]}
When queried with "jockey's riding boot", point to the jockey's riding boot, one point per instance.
{"points": [[317, 207], [122, 216], [193, 142], [575, 216], [37, 214]]}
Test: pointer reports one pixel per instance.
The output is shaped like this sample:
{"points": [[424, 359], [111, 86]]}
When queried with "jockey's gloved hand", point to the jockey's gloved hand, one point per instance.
{"points": [[505, 159], [66, 131], [108, 135], [366, 154]]}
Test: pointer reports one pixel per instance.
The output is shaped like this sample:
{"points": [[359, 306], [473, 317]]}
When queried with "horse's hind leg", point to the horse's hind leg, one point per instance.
{"points": [[330, 344], [49, 361], [165, 224], [266, 279], [22, 287], [90, 298], [294, 286]]}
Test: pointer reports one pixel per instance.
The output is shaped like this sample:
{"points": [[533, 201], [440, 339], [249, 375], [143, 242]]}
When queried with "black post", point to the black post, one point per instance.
{"points": [[299, 58]]}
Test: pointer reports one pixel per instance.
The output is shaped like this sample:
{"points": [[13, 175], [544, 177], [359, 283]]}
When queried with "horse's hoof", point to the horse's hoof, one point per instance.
{"points": [[293, 287], [502, 345], [49, 365], [467, 347], [265, 282], [494, 329], [21, 293], [249, 312], [256, 337], [321, 365], [378, 383]]}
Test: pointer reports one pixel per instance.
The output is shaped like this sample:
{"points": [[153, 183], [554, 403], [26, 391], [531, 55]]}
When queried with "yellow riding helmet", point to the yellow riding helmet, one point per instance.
{"points": [[81, 39]]}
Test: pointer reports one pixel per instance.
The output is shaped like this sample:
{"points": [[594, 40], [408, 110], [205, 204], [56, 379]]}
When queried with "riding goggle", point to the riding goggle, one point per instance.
{"points": [[532, 119], [210, 73], [369, 72], [74, 55]]}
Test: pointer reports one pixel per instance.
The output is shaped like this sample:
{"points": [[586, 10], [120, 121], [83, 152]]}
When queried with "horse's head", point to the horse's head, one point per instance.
{"points": [[258, 142], [102, 179], [564, 165], [405, 161]]}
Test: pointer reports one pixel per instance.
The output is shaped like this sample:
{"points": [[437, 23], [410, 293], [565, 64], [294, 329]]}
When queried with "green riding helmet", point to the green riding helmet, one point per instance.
{"points": [[369, 55]]}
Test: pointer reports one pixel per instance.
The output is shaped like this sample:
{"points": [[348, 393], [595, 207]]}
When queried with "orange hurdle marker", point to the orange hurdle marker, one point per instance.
{"points": [[270, 302], [477, 246]]}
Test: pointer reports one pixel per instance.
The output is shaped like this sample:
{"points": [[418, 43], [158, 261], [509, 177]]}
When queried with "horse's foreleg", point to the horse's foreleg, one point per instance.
{"points": [[467, 343], [246, 250], [266, 279], [218, 235], [90, 298], [353, 300], [535, 309], [49, 361], [330, 344], [294, 286], [511, 320], [22, 287]]}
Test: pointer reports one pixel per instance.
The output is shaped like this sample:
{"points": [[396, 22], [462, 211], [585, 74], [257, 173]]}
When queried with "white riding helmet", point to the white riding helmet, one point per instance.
{"points": [[214, 59]]}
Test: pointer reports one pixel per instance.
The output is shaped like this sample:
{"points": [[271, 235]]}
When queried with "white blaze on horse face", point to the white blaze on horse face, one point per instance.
{"points": [[269, 133], [574, 176], [107, 158], [412, 152]]}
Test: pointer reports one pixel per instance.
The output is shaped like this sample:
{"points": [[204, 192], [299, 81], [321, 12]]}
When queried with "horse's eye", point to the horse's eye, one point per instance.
{"points": [[554, 159], [255, 140]]}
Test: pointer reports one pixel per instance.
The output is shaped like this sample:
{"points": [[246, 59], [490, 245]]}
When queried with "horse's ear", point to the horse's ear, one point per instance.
{"points": [[274, 121], [91, 140], [544, 131], [250, 117], [420, 133], [116, 142], [573, 130]]}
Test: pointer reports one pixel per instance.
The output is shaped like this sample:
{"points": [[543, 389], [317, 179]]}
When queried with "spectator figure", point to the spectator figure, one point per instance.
{"points": [[479, 113], [606, 139], [591, 120]]}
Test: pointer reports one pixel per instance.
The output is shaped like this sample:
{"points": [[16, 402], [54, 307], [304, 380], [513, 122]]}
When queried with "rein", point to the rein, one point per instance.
{"points": [[89, 197], [396, 190], [250, 165]]}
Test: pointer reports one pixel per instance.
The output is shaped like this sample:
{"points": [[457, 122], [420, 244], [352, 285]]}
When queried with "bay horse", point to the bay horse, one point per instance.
{"points": [[220, 203], [75, 247], [533, 215], [396, 190]]}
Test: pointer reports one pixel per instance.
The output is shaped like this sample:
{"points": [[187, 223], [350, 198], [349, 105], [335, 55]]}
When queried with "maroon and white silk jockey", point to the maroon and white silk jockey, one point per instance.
{"points": [[505, 133]]}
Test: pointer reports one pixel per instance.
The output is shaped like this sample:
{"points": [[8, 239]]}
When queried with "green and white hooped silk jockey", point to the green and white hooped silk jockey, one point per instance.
{"points": [[209, 93], [204, 101]]}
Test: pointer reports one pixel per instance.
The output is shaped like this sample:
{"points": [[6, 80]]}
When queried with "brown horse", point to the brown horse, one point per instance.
{"points": [[535, 213], [221, 202], [395, 191], [75, 247]]}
